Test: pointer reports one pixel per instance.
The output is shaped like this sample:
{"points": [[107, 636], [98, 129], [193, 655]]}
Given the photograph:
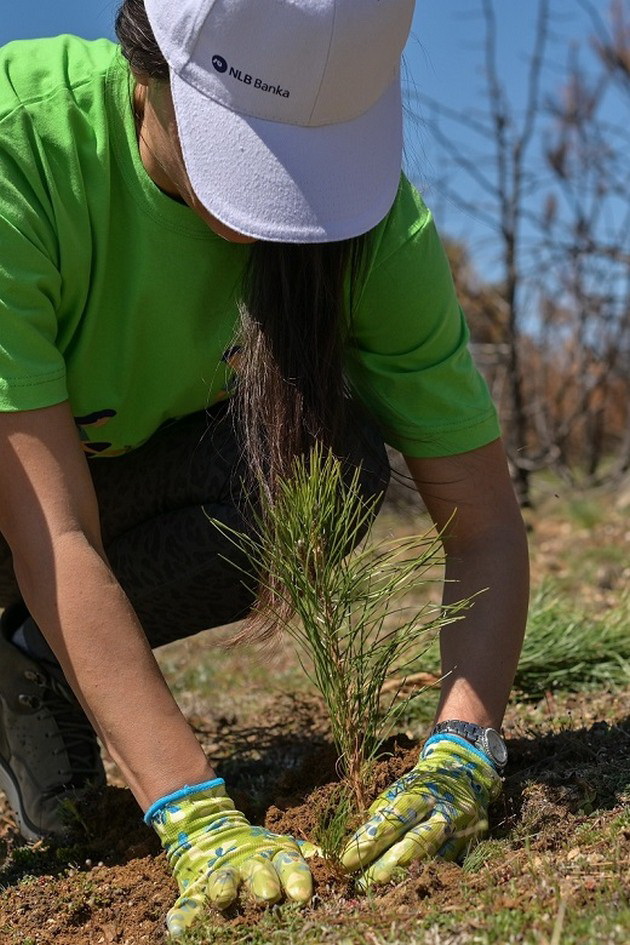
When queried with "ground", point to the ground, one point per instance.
{"points": [[555, 869]]}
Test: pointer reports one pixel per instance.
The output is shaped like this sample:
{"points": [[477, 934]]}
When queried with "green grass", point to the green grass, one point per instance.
{"points": [[26, 863], [566, 649], [600, 923], [585, 512], [569, 649], [485, 853]]}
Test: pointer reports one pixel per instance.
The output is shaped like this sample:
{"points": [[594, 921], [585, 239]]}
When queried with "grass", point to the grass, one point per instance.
{"points": [[572, 641], [482, 923], [584, 512], [27, 863], [568, 649]]}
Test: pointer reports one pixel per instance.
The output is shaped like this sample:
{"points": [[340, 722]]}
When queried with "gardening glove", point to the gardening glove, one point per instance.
{"points": [[212, 848], [438, 809]]}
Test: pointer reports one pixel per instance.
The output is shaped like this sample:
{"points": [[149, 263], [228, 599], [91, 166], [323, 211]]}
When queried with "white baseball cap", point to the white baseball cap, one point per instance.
{"points": [[289, 111]]}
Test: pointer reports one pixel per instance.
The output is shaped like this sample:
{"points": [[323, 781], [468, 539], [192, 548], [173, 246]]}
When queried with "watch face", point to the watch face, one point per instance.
{"points": [[496, 746]]}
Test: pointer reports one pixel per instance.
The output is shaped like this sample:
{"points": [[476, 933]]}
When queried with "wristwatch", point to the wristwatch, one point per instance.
{"points": [[486, 739]]}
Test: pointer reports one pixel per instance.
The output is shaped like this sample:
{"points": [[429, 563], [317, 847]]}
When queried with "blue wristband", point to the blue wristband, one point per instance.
{"points": [[462, 744], [186, 791]]}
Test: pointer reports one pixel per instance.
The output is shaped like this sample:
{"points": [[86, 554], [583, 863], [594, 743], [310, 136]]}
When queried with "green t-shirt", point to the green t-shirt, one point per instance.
{"points": [[119, 299]]}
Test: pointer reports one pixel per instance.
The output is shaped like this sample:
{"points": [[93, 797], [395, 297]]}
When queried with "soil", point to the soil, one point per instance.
{"points": [[118, 887]]}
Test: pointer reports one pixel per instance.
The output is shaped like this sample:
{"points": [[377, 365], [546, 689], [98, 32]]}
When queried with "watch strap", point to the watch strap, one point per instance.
{"points": [[475, 735], [468, 730]]}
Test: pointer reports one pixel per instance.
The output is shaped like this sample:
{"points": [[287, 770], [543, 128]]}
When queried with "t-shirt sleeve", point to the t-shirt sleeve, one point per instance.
{"points": [[408, 359], [32, 370]]}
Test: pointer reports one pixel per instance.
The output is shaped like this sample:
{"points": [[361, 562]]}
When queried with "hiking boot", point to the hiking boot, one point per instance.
{"points": [[48, 749]]}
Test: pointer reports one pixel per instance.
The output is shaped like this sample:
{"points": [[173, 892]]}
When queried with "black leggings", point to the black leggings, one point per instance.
{"points": [[180, 572]]}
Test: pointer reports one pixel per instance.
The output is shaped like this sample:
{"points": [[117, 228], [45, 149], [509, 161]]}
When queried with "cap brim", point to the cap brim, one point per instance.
{"points": [[289, 183]]}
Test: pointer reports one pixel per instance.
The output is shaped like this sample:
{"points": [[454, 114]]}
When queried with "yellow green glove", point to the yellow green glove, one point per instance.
{"points": [[439, 809], [212, 848]]}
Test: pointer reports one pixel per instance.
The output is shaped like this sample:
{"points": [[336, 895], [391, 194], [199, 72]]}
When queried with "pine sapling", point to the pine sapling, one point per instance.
{"points": [[354, 618]]}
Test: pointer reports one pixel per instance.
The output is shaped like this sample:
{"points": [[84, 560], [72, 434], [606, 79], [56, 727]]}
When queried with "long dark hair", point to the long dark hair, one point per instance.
{"points": [[137, 41], [295, 316]]}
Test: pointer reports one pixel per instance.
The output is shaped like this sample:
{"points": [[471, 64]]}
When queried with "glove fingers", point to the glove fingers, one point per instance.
{"points": [[261, 880], [384, 828], [294, 875], [219, 891], [222, 887], [434, 837], [419, 843], [185, 911], [458, 845]]}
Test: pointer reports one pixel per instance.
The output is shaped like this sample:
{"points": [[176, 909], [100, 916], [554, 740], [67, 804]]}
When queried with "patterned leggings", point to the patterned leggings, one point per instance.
{"points": [[156, 503]]}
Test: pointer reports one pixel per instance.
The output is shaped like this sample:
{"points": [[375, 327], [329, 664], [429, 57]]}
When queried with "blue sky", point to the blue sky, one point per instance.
{"points": [[443, 59], [24, 19]]}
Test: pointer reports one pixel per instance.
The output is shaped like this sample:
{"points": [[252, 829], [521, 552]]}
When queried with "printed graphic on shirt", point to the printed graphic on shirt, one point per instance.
{"points": [[93, 421]]}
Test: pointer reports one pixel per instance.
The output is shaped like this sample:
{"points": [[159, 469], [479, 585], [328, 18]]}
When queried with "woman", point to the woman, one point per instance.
{"points": [[221, 201]]}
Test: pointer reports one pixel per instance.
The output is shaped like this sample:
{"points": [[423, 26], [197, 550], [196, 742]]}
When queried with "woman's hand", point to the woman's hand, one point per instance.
{"points": [[439, 809], [213, 849]]}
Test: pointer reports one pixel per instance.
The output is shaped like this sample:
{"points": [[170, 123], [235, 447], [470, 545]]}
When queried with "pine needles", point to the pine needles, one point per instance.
{"points": [[355, 625]]}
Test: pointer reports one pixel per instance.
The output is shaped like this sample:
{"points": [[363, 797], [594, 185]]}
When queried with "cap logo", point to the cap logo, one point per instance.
{"points": [[219, 63], [221, 66]]}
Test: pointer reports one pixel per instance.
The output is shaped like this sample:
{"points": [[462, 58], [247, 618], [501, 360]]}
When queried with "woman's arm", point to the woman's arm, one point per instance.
{"points": [[441, 805], [471, 500], [49, 517]]}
